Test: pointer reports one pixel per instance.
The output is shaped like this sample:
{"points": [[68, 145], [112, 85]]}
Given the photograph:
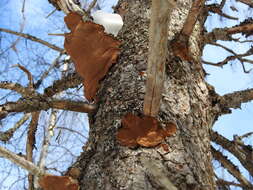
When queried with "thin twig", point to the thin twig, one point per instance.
{"points": [[58, 34], [45, 74], [7, 135], [33, 38], [29, 75], [92, 4], [246, 135], [52, 12]]}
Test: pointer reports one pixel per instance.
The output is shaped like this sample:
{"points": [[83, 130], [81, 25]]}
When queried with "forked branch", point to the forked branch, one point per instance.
{"points": [[242, 153], [231, 168]]}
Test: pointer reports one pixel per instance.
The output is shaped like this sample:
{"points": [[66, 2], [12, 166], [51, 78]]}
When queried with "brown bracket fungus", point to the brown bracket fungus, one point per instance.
{"points": [[145, 131], [92, 50], [51, 182]]}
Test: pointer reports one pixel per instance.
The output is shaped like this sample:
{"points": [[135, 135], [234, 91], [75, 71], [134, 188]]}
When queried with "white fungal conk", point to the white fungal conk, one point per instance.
{"points": [[111, 22]]}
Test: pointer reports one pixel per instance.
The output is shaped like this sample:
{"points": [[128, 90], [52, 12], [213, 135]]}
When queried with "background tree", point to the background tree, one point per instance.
{"points": [[182, 161]]}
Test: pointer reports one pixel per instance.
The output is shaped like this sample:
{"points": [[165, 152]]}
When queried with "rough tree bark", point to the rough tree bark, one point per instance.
{"points": [[183, 160]]}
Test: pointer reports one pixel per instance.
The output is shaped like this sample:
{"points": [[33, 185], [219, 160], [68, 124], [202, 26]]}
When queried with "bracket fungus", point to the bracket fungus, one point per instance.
{"points": [[92, 51], [145, 131], [51, 182]]}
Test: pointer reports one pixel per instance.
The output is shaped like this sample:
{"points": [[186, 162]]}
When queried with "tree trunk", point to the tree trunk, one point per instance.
{"points": [[183, 161]]}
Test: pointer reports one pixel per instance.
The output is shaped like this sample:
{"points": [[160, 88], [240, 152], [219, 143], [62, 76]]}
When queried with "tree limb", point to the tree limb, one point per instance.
{"points": [[67, 6], [92, 4], [34, 102], [221, 182], [24, 91], [38, 103], [247, 2], [7, 135], [30, 143], [180, 44], [216, 8], [235, 56], [242, 153], [245, 27], [235, 99], [70, 81], [20, 161], [45, 74], [46, 142], [231, 168], [32, 38], [28, 73]]}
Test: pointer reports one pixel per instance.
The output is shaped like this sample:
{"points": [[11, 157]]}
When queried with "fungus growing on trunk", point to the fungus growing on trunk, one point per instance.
{"points": [[51, 182], [145, 131], [92, 50]]}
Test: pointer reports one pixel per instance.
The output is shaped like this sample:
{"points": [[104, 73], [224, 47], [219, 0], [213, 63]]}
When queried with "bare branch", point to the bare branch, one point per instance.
{"points": [[231, 168], [215, 8], [72, 131], [235, 99], [232, 57], [33, 38], [24, 91], [242, 153], [52, 12], [45, 74], [180, 44], [246, 135], [224, 34], [7, 135], [49, 134], [38, 103], [70, 81], [92, 4], [30, 143], [20, 161], [77, 106], [192, 17], [67, 6], [221, 182], [29, 75], [247, 2]]}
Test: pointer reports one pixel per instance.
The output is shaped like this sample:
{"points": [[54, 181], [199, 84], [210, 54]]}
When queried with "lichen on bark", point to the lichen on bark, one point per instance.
{"points": [[105, 164]]}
